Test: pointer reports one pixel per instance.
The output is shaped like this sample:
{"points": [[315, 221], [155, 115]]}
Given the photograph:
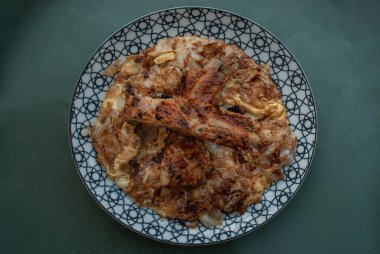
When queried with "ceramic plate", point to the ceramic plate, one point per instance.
{"points": [[258, 43]]}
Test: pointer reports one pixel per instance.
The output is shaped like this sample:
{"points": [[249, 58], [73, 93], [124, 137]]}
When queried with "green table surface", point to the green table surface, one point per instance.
{"points": [[44, 206]]}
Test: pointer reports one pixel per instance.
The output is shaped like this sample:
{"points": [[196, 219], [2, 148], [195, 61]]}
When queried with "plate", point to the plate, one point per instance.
{"points": [[141, 33]]}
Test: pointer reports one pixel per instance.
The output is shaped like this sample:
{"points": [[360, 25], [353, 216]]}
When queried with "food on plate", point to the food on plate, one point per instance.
{"points": [[193, 128]]}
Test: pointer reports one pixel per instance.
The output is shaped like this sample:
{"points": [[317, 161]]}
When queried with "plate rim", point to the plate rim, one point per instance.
{"points": [[168, 241]]}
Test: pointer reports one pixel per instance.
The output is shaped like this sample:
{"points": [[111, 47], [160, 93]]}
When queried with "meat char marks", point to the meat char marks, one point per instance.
{"points": [[192, 118]]}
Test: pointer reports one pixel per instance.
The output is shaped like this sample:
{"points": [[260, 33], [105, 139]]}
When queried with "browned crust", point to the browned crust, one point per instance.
{"points": [[192, 119]]}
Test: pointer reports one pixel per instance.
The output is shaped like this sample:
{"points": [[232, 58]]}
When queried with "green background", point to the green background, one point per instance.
{"points": [[44, 207]]}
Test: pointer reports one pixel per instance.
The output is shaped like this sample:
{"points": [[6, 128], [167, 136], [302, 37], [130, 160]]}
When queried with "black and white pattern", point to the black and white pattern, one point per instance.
{"points": [[258, 43]]}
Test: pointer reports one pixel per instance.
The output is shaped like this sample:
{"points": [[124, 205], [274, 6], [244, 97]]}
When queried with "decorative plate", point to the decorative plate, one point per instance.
{"points": [[258, 43]]}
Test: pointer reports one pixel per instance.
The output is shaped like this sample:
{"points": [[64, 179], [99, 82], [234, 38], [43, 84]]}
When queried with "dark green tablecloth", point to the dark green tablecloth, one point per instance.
{"points": [[44, 206]]}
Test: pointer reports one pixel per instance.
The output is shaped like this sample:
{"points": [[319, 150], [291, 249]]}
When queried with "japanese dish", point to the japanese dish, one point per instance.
{"points": [[193, 128]]}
